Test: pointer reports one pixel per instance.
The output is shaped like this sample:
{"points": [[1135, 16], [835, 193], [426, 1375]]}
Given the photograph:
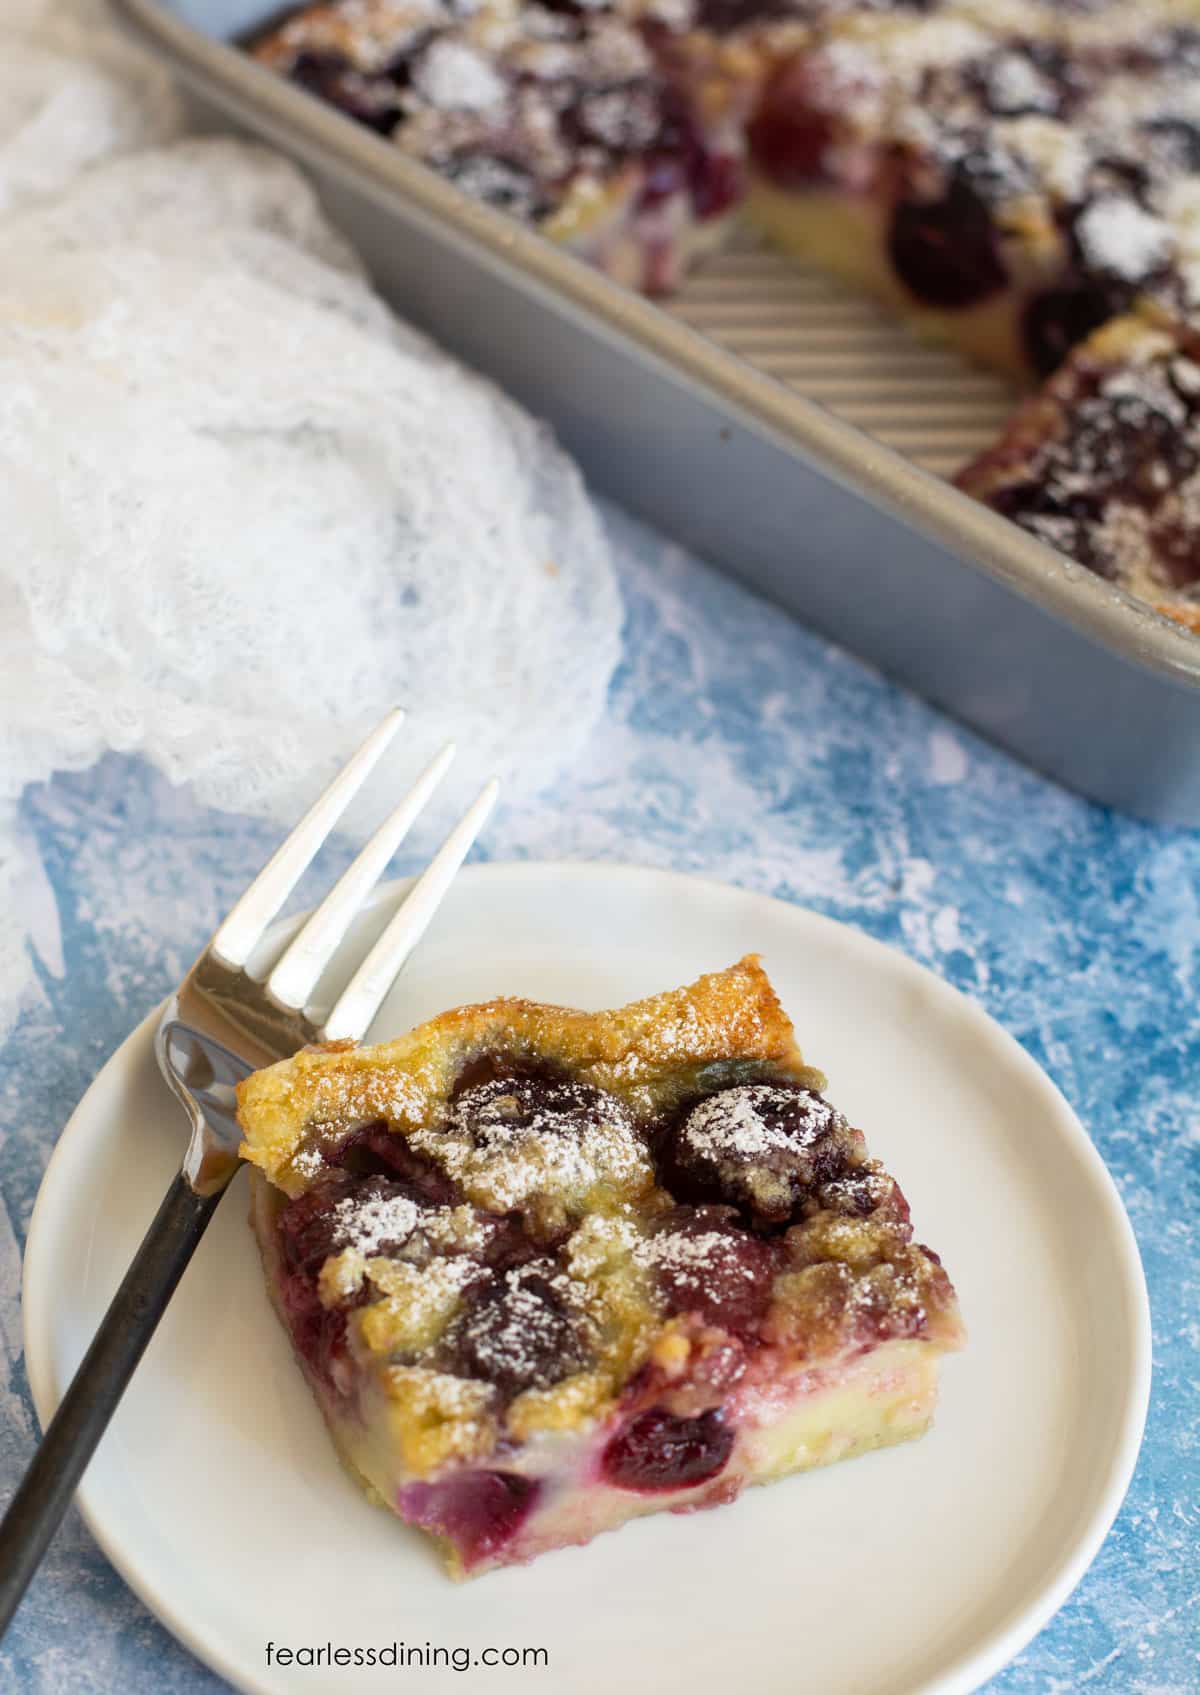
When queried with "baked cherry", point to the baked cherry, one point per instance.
{"points": [[498, 182], [665, 175], [1018, 80], [620, 120], [657, 1451], [723, 17], [1179, 139], [680, 163], [516, 1331], [372, 1150], [1067, 521], [1179, 48], [499, 1111], [319, 1224], [1055, 319], [944, 251], [368, 100], [886, 1308], [859, 1192], [789, 134], [718, 182], [705, 1262], [1175, 549], [759, 1147], [318, 1333], [479, 1511], [1119, 439], [1046, 498]]}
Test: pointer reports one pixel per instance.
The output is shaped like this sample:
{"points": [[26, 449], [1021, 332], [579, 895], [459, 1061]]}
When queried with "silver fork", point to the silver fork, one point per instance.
{"points": [[218, 1026]]}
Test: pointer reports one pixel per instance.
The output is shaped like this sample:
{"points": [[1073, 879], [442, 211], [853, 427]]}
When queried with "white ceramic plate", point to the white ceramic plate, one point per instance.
{"points": [[217, 1495]]}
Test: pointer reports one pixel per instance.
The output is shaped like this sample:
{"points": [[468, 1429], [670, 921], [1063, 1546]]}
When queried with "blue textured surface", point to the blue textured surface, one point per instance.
{"points": [[740, 745]]}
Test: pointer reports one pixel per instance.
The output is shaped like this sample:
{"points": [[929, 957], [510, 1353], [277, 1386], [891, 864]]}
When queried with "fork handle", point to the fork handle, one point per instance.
{"points": [[45, 1492]]}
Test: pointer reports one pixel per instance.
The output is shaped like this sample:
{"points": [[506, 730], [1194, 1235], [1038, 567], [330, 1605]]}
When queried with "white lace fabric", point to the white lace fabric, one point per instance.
{"points": [[243, 509]]}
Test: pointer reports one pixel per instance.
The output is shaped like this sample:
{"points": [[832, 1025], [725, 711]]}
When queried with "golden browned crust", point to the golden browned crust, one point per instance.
{"points": [[646, 1053]]}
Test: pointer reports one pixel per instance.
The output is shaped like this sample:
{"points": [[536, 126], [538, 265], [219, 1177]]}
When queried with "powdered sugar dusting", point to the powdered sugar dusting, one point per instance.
{"points": [[1185, 376], [1119, 238], [1144, 386], [528, 1335], [1052, 153], [367, 1224], [308, 1160], [741, 1121], [458, 1229], [857, 1190], [600, 1242], [453, 74], [507, 1141], [1015, 85], [446, 1417], [691, 1258], [418, 1303]]}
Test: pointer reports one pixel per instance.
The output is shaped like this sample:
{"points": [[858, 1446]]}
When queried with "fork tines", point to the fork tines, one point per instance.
{"points": [[297, 971]]}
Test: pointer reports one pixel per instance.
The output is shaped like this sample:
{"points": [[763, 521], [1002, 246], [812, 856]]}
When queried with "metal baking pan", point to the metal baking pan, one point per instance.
{"points": [[781, 430]]}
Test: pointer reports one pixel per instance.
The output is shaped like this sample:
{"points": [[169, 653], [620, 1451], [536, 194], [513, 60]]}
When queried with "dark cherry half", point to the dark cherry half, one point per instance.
{"points": [[1023, 77], [1070, 531], [313, 1226], [308, 1230], [656, 1452], [373, 101], [724, 17], [718, 183], [1175, 548], [787, 140], [944, 251], [373, 1151], [679, 162], [729, 1285], [858, 1193], [515, 1331], [1055, 319], [616, 120], [1125, 440], [499, 182], [478, 1511], [757, 1147], [318, 1333], [497, 1111], [1179, 139]]}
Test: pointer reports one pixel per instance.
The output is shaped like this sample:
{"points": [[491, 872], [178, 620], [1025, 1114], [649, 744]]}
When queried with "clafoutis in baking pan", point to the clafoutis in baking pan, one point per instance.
{"points": [[777, 426]]}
